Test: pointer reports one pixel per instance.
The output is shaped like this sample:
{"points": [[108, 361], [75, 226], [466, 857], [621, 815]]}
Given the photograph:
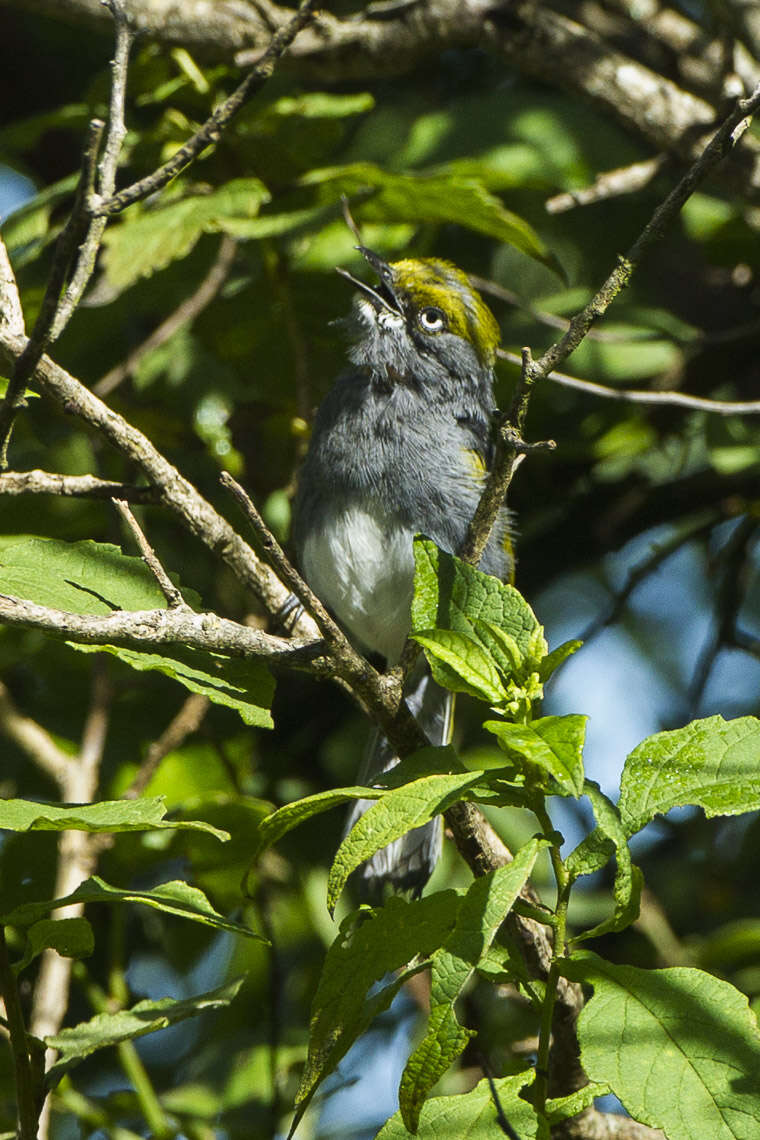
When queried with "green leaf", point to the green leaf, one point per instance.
{"points": [[554, 743], [108, 816], [566, 1107], [468, 668], [444, 1040], [147, 1016], [80, 577], [646, 1031], [556, 658], [244, 685], [427, 761], [176, 898], [593, 853], [322, 105], [486, 904], [711, 763], [96, 578], [432, 197], [370, 945], [69, 937], [481, 912], [142, 244], [450, 594], [472, 1115], [283, 820], [400, 810]]}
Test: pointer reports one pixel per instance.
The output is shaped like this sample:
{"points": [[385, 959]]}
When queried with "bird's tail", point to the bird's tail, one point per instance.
{"points": [[407, 863]]}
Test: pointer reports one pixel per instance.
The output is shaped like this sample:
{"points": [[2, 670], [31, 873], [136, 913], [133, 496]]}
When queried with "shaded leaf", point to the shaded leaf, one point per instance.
{"points": [[645, 1031], [176, 898], [146, 242], [147, 1016], [371, 944], [108, 816], [433, 197], [472, 1115], [69, 937], [97, 578]]}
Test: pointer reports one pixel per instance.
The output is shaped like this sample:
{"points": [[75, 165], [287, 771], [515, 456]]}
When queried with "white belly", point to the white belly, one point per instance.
{"points": [[362, 566]]}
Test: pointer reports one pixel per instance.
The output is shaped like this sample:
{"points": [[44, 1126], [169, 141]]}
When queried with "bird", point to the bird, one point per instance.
{"points": [[401, 445]]}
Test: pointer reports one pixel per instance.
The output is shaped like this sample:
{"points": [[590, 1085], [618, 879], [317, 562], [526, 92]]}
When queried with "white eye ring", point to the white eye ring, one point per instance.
{"points": [[432, 319]]}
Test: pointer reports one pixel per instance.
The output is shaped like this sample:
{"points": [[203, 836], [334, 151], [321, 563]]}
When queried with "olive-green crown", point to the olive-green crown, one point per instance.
{"points": [[431, 281]]}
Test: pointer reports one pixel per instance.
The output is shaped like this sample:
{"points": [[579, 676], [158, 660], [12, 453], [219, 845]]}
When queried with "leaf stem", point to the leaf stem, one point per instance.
{"points": [[564, 884]]}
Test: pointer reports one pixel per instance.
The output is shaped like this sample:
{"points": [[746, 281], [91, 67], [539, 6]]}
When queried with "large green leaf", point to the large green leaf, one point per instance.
{"points": [[371, 944], [680, 1048], [175, 898], [711, 763], [432, 197], [473, 1115], [79, 1041], [96, 578], [109, 816], [398, 811], [149, 241], [481, 912]]}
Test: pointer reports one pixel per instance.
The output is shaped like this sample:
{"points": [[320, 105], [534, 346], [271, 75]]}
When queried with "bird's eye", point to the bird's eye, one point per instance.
{"points": [[432, 319]]}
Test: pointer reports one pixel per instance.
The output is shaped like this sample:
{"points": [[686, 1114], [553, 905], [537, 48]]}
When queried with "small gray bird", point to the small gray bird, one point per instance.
{"points": [[401, 445]]}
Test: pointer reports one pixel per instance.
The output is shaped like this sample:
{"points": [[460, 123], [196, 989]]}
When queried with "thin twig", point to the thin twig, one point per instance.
{"points": [[211, 131], [41, 336], [187, 721], [641, 396], [149, 557], [721, 143], [38, 482], [184, 314], [282, 565], [493, 289], [733, 558], [11, 313], [102, 181], [609, 184], [78, 245], [174, 491]]}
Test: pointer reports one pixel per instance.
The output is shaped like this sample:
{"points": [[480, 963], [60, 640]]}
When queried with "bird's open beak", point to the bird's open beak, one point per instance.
{"points": [[385, 295]]}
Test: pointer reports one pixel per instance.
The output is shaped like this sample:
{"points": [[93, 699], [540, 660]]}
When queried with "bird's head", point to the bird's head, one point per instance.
{"points": [[423, 323]]}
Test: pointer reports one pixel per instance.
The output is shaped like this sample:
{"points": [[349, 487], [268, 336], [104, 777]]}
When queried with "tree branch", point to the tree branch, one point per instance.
{"points": [[72, 486], [642, 396], [145, 629]]}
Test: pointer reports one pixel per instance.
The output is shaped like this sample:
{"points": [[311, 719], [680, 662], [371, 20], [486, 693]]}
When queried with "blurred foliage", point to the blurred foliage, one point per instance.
{"points": [[456, 160]]}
